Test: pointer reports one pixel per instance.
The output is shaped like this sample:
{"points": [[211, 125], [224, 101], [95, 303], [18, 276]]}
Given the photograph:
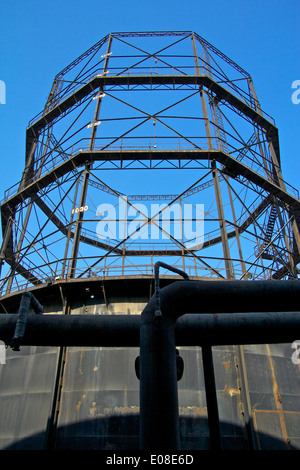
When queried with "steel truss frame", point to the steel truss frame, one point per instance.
{"points": [[225, 134]]}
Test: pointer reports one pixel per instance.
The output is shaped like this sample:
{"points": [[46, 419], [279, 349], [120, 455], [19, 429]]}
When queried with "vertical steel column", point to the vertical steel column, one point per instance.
{"points": [[224, 237], [276, 169], [237, 234], [26, 174], [278, 179], [287, 244], [211, 397], [124, 233], [99, 97], [181, 233], [38, 173], [75, 247], [228, 266], [202, 97], [86, 174], [5, 241], [63, 271]]}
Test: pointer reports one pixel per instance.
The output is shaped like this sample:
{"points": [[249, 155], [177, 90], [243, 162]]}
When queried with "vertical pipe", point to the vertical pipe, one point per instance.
{"points": [[99, 100], [211, 398], [159, 420], [159, 416]]}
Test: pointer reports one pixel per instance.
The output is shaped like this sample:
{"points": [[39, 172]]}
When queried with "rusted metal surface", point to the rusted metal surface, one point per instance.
{"points": [[26, 392], [99, 404], [274, 396], [100, 400]]}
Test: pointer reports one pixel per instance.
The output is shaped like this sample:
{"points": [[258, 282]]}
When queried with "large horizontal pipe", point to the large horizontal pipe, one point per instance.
{"points": [[124, 330], [75, 330], [183, 297]]}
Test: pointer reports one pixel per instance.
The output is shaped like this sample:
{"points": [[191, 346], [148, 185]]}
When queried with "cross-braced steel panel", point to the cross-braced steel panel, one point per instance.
{"points": [[216, 205]]}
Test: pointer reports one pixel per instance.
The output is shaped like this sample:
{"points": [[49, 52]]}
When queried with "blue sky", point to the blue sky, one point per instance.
{"points": [[39, 38]]}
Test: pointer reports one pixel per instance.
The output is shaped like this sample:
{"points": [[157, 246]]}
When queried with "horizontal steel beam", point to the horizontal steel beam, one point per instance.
{"points": [[100, 81], [84, 156], [132, 80], [124, 330]]}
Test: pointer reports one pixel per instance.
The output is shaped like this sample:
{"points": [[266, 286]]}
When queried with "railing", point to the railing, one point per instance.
{"points": [[57, 154], [191, 267], [132, 144], [117, 144], [66, 89], [144, 143], [103, 273]]}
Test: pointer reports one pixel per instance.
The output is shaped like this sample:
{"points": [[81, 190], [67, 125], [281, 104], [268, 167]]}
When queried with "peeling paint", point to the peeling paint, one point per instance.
{"points": [[232, 391], [278, 399], [194, 411]]}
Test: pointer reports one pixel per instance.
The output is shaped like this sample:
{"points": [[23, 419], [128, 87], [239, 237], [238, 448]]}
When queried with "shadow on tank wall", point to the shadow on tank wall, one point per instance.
{"points": [[122, 433]]}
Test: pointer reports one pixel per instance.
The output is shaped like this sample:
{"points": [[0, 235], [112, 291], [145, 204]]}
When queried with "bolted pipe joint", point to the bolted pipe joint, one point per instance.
{"points": [[179, 366]]}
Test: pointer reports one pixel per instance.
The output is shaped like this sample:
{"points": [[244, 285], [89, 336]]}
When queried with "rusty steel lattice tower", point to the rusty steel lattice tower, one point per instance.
{"points": [[169, 102], [152, 147]]}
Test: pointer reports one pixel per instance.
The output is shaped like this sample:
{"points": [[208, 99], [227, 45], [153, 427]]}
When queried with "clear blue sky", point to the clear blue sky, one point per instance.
{"points": [[39, 38]]}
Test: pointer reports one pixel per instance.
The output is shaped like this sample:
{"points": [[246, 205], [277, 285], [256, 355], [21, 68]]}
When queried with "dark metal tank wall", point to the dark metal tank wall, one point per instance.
{"points": [[273, 395], [88, 397], [99, 406], [27, 382], [100, 401]]}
